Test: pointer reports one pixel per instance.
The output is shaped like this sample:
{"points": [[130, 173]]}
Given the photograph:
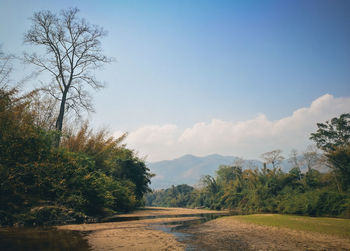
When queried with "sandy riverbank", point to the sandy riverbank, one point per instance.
{"points": [[229, 234], [157, 211], [225, 233], [136, 234]]}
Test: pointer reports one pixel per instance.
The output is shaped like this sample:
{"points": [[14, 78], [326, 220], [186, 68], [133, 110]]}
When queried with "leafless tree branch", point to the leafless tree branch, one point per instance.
{"points": [[73, 52]]}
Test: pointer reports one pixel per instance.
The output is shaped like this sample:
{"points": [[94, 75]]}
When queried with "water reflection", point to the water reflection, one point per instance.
{"points": [[204, 217], [49, 238], [41, 239], [177, 228]]}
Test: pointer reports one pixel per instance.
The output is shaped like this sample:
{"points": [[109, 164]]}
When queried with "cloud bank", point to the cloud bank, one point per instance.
{"points": [[247, 139]]}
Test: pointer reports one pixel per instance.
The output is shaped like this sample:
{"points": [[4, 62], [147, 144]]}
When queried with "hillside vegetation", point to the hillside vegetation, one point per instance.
{"points": [[89, 175], [272, 190]]}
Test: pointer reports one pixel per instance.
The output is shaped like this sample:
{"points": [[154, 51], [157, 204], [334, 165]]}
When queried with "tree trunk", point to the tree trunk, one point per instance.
{"points": [[336, 181], [59, 121]]}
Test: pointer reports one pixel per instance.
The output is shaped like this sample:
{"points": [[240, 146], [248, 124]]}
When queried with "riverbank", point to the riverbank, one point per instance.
{"points": [[180, 229], [138, 234], [239, 233]]}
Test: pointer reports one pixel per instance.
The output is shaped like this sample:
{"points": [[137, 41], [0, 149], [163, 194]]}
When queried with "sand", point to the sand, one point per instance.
{"points": [[224, 233], [137, 234], [156, 211], [230, 234]]}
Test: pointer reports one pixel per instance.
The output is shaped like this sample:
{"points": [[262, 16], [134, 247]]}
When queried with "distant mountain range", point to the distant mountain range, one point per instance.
{"points": [[188, 169]]}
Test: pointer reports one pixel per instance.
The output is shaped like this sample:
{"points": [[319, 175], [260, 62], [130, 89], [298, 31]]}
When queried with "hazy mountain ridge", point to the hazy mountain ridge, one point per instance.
{"points": [[188, 169]]}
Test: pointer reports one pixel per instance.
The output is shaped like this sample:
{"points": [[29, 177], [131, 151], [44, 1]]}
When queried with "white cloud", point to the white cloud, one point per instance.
{"points": [[245, 138]]}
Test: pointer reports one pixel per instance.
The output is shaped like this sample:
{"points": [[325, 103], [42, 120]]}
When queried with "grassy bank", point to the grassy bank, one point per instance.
{"points": [[332, 226]]}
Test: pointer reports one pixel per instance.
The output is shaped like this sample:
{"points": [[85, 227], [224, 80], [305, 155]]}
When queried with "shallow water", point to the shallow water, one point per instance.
{"points": [[176, 227], [205, 217], [49, 238], [40, 239]]}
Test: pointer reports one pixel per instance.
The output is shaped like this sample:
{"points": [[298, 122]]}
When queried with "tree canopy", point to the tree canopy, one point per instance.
{"points": [[271, 190], [91, 174], [332, 134]]}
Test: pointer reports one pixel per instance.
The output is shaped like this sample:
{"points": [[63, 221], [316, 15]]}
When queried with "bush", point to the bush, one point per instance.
{"points": [[90, 174]]}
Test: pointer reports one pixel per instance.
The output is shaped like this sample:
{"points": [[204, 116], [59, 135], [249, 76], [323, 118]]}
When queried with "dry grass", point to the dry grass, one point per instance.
{"points": [[239, 233], [330, 226]]}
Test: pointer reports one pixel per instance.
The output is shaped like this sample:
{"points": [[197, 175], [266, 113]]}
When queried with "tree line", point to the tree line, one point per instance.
{"points": [[269, 189], [89, 174], [53, 170]]}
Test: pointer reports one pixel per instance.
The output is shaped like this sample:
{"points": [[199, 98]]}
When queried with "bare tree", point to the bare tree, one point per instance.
{"points": [[311, 157], [295, 162], [5, 69], [73, 52], [274, 157], [293, 158]]}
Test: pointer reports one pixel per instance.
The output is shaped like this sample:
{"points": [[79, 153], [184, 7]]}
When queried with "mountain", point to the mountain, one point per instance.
{"points": [[188, 169]]}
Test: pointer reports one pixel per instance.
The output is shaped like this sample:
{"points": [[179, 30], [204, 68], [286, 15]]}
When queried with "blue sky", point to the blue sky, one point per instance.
{"points": [[186, 62]]}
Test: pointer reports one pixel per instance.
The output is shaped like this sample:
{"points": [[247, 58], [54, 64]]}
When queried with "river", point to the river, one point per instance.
{"points": [[138, 231]]}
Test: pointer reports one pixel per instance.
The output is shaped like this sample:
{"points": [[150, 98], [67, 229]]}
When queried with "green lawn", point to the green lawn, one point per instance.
{"points": [[333, 226]]}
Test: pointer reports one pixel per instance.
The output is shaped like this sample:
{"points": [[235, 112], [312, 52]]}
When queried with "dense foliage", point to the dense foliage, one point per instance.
{"points": [[256, 191], [176, 196], [272, 190], [90, 174]]}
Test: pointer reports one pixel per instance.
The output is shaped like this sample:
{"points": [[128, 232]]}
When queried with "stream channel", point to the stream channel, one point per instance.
{"points": [[52, 239]]}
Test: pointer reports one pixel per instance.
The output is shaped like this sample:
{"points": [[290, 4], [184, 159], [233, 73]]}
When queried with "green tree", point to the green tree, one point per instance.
{"points": [[89, 174], [334, 138], [332, 134], [132, 168], [340, 160], [112, 158], [228, 173]]}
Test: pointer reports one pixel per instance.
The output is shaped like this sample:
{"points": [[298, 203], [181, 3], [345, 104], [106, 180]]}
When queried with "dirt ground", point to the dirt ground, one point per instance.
{"points": [[224, 233], [229, 234], [136, 234], [156, 211], [133, 235]]}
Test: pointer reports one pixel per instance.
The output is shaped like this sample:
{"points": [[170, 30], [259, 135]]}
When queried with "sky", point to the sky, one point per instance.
{"points": [[199, 77]]}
